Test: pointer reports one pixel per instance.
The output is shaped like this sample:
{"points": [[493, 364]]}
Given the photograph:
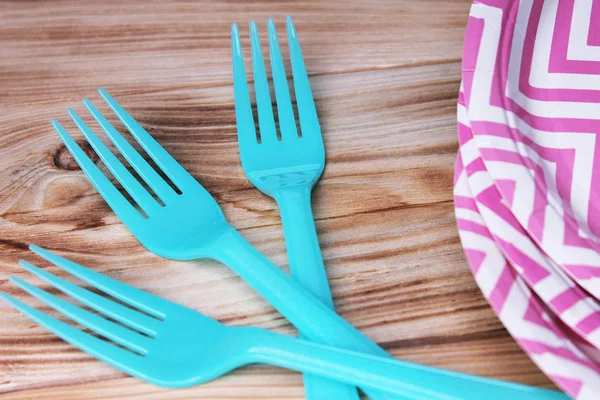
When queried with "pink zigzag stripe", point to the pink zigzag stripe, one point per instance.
{"points": [[508, 282], [560, 42], [564, 159], [531, 229], [594, 33], [537, 122], [534, 273]]}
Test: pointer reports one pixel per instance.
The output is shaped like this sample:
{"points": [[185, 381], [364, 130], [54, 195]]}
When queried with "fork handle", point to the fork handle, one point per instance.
{"points": [[311, 317], [302, 244], [415, 382], [307, 268]]}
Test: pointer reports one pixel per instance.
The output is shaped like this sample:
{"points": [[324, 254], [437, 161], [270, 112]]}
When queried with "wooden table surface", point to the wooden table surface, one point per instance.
{"points": [[385, 76]]}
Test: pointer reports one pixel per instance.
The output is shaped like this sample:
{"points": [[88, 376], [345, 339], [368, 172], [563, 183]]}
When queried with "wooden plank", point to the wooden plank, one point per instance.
{"points": [[385, 76]]}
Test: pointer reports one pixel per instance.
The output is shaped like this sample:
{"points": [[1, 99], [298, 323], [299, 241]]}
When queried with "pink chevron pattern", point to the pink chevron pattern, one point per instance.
{"points": [[531, 96], [527, 186], [568, 360], [565, 298]]}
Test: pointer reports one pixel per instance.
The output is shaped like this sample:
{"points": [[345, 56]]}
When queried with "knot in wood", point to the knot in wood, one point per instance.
{"points": [[64, 160]]}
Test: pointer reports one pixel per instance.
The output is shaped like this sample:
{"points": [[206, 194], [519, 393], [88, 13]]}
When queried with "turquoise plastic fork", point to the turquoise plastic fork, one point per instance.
{"points": [[170, 345], [190, 225], [286, 169]]}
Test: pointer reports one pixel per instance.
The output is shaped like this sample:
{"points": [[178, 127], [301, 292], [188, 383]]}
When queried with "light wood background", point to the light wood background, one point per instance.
{"points": [[385, 75]]}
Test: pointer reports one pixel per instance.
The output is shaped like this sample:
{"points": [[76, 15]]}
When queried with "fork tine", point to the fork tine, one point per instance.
{"points": [[243, 108], [125, 315], [129, 182], [144, 301], [108, 329], [287, 122], [266, 122], [119, 204], [309, 122], [178, 175], [150, 176], [111, 354]]}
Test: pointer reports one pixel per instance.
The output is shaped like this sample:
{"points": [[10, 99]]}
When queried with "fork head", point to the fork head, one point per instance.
{"points": [[296, 158], [179, 224], [148, 337]]}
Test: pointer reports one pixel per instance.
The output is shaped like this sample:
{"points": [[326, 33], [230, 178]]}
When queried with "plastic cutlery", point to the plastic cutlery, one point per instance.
{"points": [[287, 168], [174, 346], [190, 225]]}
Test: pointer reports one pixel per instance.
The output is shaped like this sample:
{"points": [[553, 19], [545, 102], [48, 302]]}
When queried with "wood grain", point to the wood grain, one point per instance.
{"points": [[385, 77]]}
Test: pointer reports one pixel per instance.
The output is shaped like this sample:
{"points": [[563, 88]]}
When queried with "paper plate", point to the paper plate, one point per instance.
{"points": [[532, 90], [570, 362], [574, 306]]}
